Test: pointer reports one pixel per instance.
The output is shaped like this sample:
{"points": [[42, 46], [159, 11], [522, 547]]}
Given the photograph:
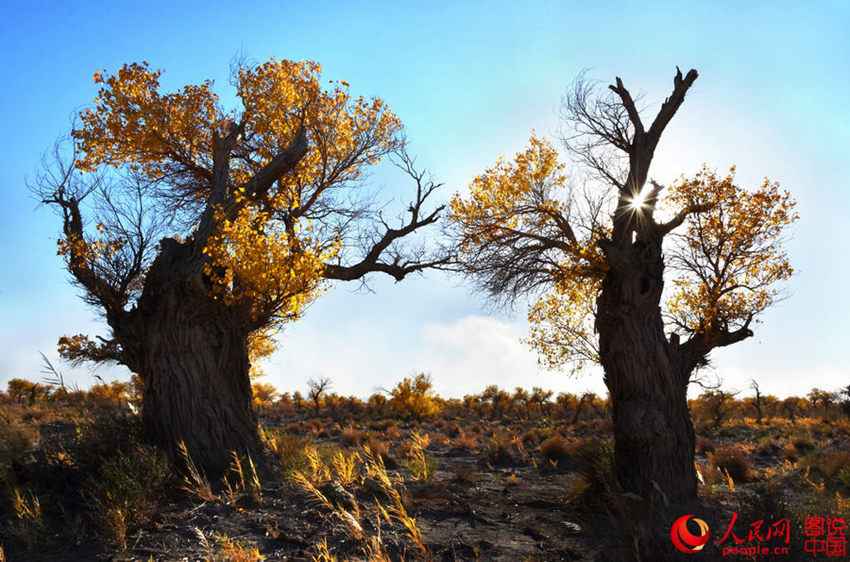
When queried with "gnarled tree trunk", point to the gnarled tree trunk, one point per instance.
{"points": [[191, 350], [653, 433]]}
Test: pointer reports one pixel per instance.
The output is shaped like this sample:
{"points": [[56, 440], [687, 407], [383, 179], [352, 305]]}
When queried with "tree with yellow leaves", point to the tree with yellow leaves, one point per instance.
{"points": [[593, 257], [199, 231], [414, 398]]}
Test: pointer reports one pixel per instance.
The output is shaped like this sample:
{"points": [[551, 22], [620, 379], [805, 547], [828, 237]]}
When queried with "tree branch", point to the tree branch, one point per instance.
{"points": [[664, 228], [281, 164], [642, 150], [629, 104], [695, 351], [398, 267]]}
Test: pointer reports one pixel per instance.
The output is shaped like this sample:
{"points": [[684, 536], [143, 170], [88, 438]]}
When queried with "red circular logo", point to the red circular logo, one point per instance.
{"points": [[683, 539]]}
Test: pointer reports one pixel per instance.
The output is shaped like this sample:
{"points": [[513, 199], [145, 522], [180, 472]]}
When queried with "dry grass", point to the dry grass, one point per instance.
{"points": [[118, 494], [195, 482], [421, 464], [501, 451], [351, 514], [231, 550], [245, 481], [464, 442], [127, 493], [27, 526], [350, 437], [289, 450], [381, 449]]}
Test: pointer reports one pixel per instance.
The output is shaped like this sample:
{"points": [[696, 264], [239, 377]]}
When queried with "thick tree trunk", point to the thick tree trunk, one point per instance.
{"points": [[191, 351], [196, 388], [653, 433]]}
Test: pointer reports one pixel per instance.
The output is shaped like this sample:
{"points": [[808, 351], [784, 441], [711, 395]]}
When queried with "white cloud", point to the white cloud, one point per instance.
{"points": [[472, 352], [463, 356]]}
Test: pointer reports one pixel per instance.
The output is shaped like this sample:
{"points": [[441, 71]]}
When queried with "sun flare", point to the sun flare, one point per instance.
{"points": [[638, 201]]}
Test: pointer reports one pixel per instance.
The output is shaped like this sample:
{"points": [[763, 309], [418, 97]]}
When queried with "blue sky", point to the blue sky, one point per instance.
{"points": [[469, 80]]}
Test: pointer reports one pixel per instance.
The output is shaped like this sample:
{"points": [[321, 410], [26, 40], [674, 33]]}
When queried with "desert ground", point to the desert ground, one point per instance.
{"points": [[519, 475]]}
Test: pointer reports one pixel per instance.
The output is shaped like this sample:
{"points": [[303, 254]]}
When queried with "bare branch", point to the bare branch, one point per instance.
{"points": [[695, 350], [629, 104], [381, 245], [674, 223]]}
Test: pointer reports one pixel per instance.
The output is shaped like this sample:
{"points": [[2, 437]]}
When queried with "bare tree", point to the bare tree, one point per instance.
{"points": [[315, 390], [755, 386]]}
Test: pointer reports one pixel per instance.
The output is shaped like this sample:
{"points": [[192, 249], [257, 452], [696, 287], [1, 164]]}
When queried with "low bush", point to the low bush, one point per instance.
{"points": [[127, 492], [349, 437], [555, 448], [734, 461]]}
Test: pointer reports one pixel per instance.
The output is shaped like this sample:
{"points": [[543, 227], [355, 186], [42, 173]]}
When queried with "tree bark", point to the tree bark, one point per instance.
{"points": [[653, 433], [191, 350]]}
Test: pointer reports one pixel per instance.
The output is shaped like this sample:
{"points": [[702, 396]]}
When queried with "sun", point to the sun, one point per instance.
{"points": [[638, 201]]}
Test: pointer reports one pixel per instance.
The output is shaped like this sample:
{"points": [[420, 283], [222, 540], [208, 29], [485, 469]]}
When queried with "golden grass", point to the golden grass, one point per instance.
{"points": [[194, 481]]}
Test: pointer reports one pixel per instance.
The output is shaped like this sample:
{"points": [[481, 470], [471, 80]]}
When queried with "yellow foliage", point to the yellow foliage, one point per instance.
{"points": [[413, 397], [264, 393], [264, 253], [250, 259], [503, 197], [114, 392], [520, 229], [561, 325], [527, 198], [732, 253]]}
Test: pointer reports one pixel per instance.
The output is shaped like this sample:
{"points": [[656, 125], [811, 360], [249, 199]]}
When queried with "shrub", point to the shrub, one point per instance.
{"points": [[597, 486], [438, 438], [790, 453], [591, 458], [499, 453], [453, 429], [464, 442], [768, 446], [555, 448], [127, 492], [836, 464], [15, 440], [380, 450], [107, 435], [529, 438], [464, 474], [803, 443], [767, 501], [349, 437], [414, 398], [735, 462], [392, 432], [294, 428], [289, 450]]}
